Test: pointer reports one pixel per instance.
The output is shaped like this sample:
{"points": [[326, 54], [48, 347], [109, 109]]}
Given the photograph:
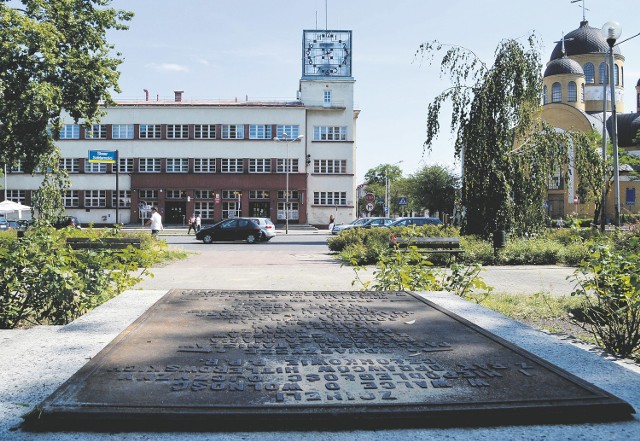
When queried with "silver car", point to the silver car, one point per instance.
{"points": [[266, 225]]}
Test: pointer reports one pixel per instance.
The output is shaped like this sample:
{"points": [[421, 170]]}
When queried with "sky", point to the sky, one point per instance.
{"points": [[223, 49]]}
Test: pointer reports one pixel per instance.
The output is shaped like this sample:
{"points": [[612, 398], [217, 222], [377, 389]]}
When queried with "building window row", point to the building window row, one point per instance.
{"points": [[330, 198], [180, 131], [556, 93]]}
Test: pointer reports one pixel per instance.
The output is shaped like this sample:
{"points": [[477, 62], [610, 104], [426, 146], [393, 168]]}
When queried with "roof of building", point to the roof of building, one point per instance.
{"points": [[628, 128], [563, 66], [584, 40]]}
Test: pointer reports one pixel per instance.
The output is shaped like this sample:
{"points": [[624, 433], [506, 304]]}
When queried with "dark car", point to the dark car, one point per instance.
{"points": [[230, 230], [67, 221], [417, 221]]}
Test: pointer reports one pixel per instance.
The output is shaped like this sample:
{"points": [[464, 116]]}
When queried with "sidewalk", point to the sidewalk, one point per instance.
{"points": [[34, 362]]}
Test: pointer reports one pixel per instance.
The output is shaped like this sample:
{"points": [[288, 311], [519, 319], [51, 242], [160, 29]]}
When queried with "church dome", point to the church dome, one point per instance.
{"points": [[584, 40], [563, 66], [628, 128]]}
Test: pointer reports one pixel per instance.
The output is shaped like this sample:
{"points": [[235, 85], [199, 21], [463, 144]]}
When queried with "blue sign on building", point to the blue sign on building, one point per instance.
{"points": [[103, 156]]}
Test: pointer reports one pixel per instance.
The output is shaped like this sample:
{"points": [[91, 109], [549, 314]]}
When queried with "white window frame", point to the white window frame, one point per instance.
{"points": [[177, 165], [292, 131], [205, 208], [330, 198], [232, 131], [95, 198], [232, 165], [204, 131], [330, 166], [95, 167], [122, 131], [204, 165], [71, 198], [125, 165], [330, 133], [96, 131], [150, 131], [177, 131], [293, 165], [149, 165], [71, 165], [259, 165], [124, 199], [70, 131], [260, 131]]}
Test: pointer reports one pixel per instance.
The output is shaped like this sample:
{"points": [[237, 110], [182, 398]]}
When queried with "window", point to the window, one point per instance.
{"points": [[231, 194], [126, 165], [293, 195], [582, 93], [177, 131], [616, 75], [71, 165], [288, 131], [206, 209], [122, 131], [330, 166], [150, 131], [259, 194], [70, 131], [327, 97], [95, 198], [232, 131], [17, 195], [293, 165], [124, 201], [149, 196], [177, 165], [176, 194], [204, 194], [604, 71], [556, 93], [71, 199], [330, 198], [259, 165], [294, 210], [259, 132], [589, 73], [545, 95], [572, 92], [204, 131], [96, 131], [230, 210], [149, 165], [95, 167], [204, 165], [630, 196], [327, 133], [16, 167], [232, 166]]}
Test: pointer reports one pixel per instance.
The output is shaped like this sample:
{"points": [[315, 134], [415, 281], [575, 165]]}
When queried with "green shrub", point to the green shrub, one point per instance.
{"points": [[609, 286], [42, 280]]}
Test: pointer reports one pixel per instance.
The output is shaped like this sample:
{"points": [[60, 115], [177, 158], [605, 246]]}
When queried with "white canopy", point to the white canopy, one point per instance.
{"points": [[8, 206]]}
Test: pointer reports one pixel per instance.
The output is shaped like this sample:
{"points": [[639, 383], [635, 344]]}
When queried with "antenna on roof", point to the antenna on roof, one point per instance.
{"points": [[583, 8], [326, 17]]}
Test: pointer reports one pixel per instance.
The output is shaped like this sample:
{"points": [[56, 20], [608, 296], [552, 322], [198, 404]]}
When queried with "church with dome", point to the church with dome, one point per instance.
{"points": [[576, 96]]}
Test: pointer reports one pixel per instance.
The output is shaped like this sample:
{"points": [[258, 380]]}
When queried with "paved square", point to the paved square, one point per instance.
{"points": [[253, 360]]}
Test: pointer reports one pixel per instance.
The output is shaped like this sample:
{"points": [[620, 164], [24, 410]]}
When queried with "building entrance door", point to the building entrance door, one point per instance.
{"points": [[259, 209], [175, 213]]}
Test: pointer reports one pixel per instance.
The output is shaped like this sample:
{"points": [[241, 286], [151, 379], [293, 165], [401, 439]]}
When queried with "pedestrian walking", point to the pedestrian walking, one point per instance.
{"points": [[192, 224], [198, 222], [155, 222]]}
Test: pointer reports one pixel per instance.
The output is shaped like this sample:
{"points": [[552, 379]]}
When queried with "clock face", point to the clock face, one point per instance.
{"points": [[326, 53]]}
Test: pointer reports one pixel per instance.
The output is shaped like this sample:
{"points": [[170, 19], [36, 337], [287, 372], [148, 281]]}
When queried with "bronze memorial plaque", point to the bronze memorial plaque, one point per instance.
{"points": [[256, 360]]}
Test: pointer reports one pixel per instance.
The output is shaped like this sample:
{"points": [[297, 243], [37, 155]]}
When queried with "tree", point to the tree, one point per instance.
{"points": [[434, 188], [54, 59], [378, 178], [508, 153]]}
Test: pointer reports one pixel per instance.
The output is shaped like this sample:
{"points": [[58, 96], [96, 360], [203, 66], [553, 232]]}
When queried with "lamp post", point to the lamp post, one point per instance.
{"points": [[387, 211], [285, 138], [612, 31]]}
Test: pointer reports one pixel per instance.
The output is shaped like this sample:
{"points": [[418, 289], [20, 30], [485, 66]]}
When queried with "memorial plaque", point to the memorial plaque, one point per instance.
{"points": [[256, 360]]}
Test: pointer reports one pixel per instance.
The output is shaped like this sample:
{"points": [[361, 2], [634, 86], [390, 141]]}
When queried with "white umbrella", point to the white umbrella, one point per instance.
{"points": [[8, 206]]}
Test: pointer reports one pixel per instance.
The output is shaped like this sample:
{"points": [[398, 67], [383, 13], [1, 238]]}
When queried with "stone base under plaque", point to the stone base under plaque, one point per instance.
{"points": [[258, 360]]}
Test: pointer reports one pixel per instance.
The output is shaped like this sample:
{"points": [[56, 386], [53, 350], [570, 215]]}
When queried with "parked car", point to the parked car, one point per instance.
{"points": [[231, 230], [4, 225], [418, 221], [67, 221], [268, 227], [338, 228], [375, 222]]}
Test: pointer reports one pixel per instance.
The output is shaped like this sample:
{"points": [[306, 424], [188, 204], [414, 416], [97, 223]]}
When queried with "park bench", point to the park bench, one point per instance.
{"points": [[431, 245], [103, 243]]}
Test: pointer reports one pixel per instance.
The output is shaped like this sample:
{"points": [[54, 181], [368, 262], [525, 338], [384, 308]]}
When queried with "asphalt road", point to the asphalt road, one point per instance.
{"points": [[302, 260]]}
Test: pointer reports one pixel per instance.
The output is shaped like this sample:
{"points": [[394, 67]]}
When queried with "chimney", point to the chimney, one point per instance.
{"points": [[178, 94], [146, 94]]}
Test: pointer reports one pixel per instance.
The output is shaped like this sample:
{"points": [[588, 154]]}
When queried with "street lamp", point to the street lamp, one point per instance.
{"points": [[612, 31], [386, 188], [288, 140]]}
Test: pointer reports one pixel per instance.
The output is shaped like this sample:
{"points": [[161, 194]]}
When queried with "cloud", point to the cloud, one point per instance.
{"points": [[167, 67]]}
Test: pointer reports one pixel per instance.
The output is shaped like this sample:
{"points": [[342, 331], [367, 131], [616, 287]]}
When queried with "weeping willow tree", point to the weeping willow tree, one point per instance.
{"points": [[508, 152]]}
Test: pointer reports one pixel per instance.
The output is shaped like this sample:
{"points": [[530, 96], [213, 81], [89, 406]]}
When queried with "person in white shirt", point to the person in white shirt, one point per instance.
{"points": [[155, 222]]}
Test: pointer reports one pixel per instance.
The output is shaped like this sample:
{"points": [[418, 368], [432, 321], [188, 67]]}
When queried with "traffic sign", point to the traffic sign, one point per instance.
{"points": [[103, 156], [402, 200], [369, 206], [370, 197]]}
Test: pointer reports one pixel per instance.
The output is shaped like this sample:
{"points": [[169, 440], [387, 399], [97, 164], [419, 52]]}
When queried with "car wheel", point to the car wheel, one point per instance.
{"points": [[251, 238], [207, 238]]}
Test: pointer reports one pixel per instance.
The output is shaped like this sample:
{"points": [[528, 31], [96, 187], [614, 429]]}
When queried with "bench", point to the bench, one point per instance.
{"points": [[431, 245], [103, 243]]}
